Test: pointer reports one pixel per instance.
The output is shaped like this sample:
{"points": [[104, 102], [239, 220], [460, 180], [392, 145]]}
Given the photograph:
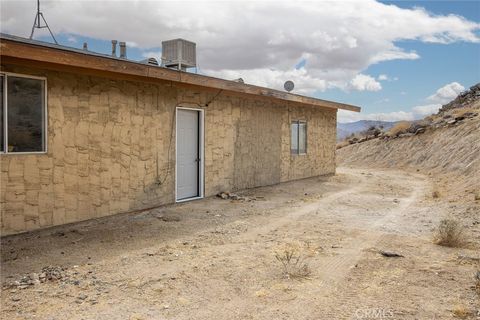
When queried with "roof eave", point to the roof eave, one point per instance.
{"points": [[75, 58]]}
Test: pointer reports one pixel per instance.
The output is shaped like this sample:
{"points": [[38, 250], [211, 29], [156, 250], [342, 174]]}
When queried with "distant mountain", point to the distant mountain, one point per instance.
{"points": [[346, 129]]}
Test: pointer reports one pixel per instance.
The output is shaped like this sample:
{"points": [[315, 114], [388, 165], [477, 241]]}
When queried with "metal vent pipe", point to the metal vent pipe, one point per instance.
{"points": [[123, 50], [114, 48]]}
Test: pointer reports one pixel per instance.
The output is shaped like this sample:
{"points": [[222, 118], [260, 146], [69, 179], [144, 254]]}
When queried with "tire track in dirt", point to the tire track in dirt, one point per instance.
{"points": [[331, 272], [334, 270], [343, 303]]}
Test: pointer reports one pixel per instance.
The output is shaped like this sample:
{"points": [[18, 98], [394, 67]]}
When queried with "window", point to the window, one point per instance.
{"points": [[23, 115], [299, 137]]}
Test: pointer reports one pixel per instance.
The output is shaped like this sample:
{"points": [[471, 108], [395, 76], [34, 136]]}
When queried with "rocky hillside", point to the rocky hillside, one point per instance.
{"points": [[448, 146], [465, 99], [346, 129], [466, 106]]}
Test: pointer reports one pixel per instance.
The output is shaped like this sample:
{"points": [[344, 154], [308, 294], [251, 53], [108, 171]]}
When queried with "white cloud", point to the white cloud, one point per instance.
{"points": [[362, 82], [382, 77], [72, 39], [338, 40], [395, 54], [446, 93], [131, 44], [304, 82], [417, 112], [426, 110]]}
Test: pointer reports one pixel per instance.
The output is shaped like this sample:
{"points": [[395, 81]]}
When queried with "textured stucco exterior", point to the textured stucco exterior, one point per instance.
{"points": [[111, 148]]}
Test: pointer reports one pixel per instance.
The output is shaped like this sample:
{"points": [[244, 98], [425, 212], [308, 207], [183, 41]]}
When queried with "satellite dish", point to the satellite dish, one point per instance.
{"points": [[288, 85]]}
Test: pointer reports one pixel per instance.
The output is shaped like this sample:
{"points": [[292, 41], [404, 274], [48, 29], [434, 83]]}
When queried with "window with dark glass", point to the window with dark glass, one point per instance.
{"points": [[23, 130], [298, 137]]}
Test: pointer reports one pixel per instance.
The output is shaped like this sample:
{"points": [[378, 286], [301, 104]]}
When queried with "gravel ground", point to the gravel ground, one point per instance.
{"points": [[222, 258]]}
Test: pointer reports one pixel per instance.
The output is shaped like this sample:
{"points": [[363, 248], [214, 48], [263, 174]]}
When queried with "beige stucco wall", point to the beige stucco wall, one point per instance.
{"points": [[111, 149]]}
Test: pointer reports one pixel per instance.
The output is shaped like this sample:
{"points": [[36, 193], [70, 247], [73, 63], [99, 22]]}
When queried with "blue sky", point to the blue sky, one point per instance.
{"points": [[438, 65], [392, 58]]}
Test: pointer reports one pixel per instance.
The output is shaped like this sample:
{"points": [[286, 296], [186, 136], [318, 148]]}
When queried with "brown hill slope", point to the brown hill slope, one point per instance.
{"points": [[450, 153]]}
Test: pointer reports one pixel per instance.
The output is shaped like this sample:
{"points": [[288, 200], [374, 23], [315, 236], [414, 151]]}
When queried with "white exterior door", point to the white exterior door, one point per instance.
{"points": [[188, 155]]}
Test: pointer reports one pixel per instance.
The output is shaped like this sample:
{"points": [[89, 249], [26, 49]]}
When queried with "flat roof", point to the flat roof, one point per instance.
{"points": [[20, 50]]}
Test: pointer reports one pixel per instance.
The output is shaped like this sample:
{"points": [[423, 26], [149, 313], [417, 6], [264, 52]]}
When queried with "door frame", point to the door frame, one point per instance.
{"points": [[201, 152]]}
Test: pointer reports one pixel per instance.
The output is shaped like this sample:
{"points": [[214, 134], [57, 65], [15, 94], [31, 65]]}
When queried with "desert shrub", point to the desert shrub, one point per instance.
{"points": [[449, 233], [399, 128], [293, 262], [459, 112], [436, 194], [342, 144], [372, 131], [460, 311]]}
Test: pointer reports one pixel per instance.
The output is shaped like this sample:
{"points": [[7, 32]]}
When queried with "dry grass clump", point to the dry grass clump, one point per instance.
{"points": [[459, 112], [293, 261], [449, 233], [476, 196], [460, 311], [399, 128], [342, 144]]}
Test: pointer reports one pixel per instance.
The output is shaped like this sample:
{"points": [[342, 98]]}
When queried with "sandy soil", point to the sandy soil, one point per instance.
{"points": [[214, 258]]}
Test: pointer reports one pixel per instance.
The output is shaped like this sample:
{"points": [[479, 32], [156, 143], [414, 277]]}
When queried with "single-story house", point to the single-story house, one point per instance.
{"points": [[87, 135]]}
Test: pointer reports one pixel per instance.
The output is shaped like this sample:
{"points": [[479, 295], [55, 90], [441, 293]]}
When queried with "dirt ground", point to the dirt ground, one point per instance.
{"points": [[215, 258]]}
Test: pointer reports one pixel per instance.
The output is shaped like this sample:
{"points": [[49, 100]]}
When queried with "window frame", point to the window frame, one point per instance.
{"points": [[5, 113], [297, 152]]}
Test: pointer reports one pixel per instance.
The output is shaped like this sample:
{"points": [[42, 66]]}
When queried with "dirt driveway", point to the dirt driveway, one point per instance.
{"points": [[215, 258]]}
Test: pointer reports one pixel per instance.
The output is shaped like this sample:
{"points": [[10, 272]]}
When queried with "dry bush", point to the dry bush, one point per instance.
{"points": [[436, 194], [461, 111], [342, 144], [476, 196], [460, 311], [449, 233], [399, 128], [432, 118], [372, 131], [293, 261]]}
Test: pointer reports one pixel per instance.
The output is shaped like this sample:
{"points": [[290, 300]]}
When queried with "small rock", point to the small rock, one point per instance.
{"points": [[420, 130], [82, 296], [390, 254], [223, 195], [169, 218]]}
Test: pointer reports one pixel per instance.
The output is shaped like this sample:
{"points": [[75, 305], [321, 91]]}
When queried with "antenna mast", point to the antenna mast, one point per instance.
{"points": [[38, 25]]}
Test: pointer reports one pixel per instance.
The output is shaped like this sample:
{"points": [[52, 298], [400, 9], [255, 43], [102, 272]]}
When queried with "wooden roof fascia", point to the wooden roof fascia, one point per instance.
{"points": [[20, 51]]}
